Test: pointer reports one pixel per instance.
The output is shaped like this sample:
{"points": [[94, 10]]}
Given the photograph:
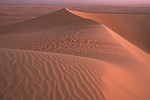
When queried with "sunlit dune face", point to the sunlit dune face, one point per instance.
{"points": [[70, 55], [126, 25]]}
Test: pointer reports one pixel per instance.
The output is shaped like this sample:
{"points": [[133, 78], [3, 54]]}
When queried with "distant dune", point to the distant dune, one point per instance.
{"points": [[64, 56], [10, 14]]}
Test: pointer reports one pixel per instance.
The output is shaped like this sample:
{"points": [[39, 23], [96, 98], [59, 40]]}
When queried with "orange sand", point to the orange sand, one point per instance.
{"points": [[63, 56], [132, 27]]}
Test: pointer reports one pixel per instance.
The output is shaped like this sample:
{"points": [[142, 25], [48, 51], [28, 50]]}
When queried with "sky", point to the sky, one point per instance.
{"points": [[101, 2]]}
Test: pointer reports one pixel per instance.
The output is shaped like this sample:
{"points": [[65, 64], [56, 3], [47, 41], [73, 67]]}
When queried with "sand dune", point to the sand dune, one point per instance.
{"points": [[35, 75], [39, 75], [64, 32], [63, 56], [10, 14], [133, 27]]}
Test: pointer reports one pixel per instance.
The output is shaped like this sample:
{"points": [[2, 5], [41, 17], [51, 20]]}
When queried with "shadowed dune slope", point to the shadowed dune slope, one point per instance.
{"points": [[66, 33], [62, 56], [31, 75], [58, 18], [11, 15], [132, 27]]}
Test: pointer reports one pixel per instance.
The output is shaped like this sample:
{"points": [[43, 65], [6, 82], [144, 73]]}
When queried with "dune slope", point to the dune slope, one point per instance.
{"points": [[40, 75], [64, 56], [29, 75], [132, 27], [66, 33]]}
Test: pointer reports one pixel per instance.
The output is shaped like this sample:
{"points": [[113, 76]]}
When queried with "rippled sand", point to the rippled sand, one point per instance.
{"points": [[63, 56]]}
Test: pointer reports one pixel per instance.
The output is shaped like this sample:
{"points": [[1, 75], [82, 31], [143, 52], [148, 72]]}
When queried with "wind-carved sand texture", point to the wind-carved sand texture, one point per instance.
{"points": [[62, 56]]}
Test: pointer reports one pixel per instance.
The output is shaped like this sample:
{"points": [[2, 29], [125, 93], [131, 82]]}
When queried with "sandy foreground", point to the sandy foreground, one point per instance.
{"points": [[70, 55]]}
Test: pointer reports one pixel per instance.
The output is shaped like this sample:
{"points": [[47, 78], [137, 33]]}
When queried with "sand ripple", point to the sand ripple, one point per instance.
{"points": [[44, 76]]}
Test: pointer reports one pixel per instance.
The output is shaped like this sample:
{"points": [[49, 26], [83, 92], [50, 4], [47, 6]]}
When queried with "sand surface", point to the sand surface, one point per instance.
{"points": [[64, 56], [10, 14], [132, 27]]}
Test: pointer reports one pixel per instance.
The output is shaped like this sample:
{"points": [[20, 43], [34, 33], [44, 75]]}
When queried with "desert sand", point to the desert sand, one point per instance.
{"points": [[70, 55], [126, 25], [10, 14]]}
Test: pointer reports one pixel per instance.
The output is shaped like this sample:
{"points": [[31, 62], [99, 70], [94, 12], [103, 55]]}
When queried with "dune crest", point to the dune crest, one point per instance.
{"points": [[128, 26], [66, 33], [64, 56], [135, 50]]}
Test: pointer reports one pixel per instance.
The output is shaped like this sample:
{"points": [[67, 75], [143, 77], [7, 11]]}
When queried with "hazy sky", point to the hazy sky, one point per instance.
{"points": [[78, 1]]}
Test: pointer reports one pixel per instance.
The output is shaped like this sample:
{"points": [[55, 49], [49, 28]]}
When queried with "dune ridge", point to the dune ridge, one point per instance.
{"points": [[66, 33], [132, 27], [64, 56]]}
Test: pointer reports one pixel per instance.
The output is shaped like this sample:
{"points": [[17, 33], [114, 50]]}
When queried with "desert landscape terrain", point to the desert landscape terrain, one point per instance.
{"points": [[58, 53]]}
